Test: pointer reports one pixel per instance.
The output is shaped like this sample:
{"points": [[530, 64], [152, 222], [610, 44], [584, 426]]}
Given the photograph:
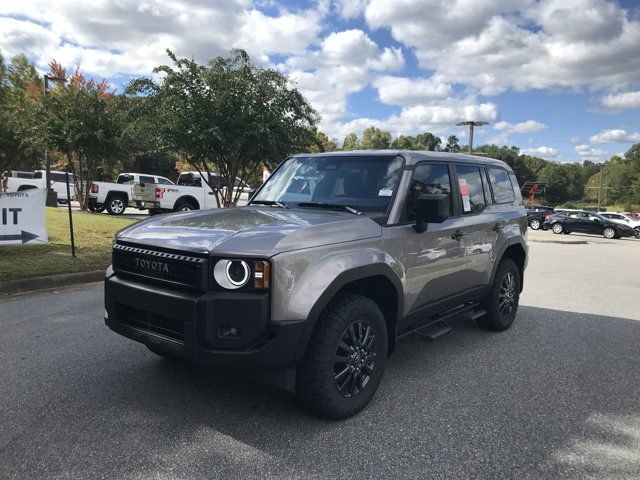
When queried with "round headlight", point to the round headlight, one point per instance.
{"points": [[231, 274]]}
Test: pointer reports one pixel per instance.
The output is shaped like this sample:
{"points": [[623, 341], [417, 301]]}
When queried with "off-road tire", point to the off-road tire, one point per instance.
{"points": [[496, 318], [535, 224], [316, 387], [116, 205]]}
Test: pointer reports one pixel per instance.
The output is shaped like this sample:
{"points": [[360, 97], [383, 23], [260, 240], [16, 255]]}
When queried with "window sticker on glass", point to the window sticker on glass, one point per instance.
{"points": [[385, 192], [464, 191]]}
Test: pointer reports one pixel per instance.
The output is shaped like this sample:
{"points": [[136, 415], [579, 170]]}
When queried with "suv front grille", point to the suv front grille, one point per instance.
{"points": [[149, 322], [166, 267]]}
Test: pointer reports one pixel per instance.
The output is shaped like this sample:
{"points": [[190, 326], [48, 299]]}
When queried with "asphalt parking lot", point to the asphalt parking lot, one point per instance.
{"points": [[556, 396]]}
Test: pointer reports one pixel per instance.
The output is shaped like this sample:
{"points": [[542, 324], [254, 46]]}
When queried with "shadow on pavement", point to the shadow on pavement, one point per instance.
{"points": [[556, 396]]}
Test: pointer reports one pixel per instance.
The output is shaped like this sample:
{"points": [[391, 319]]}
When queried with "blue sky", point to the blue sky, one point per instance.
{"points": [[558, 78]]}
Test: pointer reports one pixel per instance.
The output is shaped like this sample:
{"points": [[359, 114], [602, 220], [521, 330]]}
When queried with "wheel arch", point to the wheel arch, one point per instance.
{"points": [[110, 195], [187, 198], [22, 188], [516, 251], [378, 282]]}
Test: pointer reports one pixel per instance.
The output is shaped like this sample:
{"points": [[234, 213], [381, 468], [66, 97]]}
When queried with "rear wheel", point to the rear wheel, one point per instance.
{"points": [[637, 230], [557, 228], [535, 223], [609, 232], [502, 301], [116, 205], [184, 206], [345, 359]]}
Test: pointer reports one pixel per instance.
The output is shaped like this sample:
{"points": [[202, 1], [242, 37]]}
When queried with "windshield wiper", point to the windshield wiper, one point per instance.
{"points": [[330, 206], [272, 203]]}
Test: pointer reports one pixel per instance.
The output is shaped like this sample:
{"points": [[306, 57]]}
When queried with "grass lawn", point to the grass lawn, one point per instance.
{"points": [[93, 234]]}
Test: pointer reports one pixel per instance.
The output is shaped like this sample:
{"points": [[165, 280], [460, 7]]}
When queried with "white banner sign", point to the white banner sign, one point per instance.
{"points": [[22, 217]]}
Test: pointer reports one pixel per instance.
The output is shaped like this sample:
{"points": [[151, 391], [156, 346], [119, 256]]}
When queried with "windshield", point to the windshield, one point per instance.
{"points": [[365, 183]]}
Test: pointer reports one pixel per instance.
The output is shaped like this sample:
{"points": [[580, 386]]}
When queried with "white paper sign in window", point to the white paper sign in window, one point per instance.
{"points": [[464, 191]]}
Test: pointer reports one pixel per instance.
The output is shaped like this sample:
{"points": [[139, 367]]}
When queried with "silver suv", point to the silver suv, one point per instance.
{"points": [[336, 257]]}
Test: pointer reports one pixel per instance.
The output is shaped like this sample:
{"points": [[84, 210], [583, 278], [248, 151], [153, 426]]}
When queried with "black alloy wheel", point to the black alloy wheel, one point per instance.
{"points": [[507, 295], [355, 359]]}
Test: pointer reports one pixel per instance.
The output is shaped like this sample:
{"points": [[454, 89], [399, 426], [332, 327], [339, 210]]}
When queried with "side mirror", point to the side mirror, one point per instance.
{"points": [[431, 208]]}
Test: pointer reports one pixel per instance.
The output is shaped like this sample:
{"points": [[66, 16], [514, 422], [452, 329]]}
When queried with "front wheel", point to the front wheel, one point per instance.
{"points": [[502, 301], [535, 224], [609, 233], [637, 232], [345, 359]]}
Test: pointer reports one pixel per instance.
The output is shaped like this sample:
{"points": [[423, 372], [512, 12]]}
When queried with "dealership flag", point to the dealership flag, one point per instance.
{"points": [[22, 217]]}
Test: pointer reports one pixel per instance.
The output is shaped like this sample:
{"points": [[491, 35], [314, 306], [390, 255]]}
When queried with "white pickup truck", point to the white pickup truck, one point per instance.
{"points": [[190, 193], [115, 197], [19, 181]]}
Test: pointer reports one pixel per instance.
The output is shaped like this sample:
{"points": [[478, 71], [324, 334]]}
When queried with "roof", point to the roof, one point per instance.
{"points": [[414, 156]]}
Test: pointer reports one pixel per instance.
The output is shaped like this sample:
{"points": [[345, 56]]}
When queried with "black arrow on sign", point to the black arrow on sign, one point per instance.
{"points": [[24, 236]]}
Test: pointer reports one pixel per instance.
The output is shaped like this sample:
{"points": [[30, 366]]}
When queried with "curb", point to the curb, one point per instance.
{"points": [[50, 281], [561, 242]]}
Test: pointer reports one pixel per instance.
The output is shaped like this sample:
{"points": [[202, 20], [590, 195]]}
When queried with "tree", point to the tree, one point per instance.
{"points": [[452, 144], [228, 115], [84, 122], [427, 141], [375, 139], [351, 142], [402, 142], [322, 143]]}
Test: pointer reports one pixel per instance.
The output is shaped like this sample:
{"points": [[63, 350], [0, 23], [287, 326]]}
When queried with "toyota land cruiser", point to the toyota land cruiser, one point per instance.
{"points": [[335, 258]]}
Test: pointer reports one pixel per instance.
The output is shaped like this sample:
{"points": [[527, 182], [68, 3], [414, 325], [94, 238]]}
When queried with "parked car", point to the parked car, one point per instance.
{"points": [[537, 214], [20, 181], [582, 221], [623, 219], [336, 257], [115, 197], [190, 193]]}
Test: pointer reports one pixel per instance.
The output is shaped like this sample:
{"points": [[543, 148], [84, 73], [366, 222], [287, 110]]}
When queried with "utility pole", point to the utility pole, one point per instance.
{"points": [[52, 196], [600, 189], [471, 124]]}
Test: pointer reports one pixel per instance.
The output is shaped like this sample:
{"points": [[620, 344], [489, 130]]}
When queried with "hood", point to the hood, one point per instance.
{"points": [[251, 231]]}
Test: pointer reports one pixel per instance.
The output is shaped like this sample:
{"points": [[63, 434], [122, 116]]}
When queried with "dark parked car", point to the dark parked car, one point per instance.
{"points": [[586, 222], [537, 214]]}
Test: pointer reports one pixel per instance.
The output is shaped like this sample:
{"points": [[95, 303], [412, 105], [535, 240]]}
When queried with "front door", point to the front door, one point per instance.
{"points": [[435, 259]]}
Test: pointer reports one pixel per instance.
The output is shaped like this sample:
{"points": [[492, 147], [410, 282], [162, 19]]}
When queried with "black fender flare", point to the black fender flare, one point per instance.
{"points": [[189, 199], [346, 277], [510, 243]]}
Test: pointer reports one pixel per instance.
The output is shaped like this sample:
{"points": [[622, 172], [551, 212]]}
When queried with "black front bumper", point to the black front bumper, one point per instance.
{"points": [[191, 324]]}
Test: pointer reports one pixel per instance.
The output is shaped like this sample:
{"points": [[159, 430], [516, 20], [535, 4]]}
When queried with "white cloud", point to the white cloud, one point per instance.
{"points": [[350, 8], [549, 153], [523, 127], [404, 91], [518, 44], [589, 153], [615, 136], [621, 101]]}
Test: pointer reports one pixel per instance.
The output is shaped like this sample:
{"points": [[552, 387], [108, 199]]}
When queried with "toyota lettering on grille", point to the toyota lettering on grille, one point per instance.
{"points": [[151, 265]]}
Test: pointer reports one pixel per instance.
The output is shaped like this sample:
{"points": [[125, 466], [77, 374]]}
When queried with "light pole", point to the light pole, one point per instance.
{"points": [[471, 124], [52, 196]]}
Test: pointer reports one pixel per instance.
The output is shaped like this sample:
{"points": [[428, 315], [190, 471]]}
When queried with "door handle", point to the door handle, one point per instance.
{"points": [[458, 234], [497, 227]]}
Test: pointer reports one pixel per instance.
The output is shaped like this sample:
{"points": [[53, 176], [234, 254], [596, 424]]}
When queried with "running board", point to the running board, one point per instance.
{"points": [[433, 331], [471, 311]]}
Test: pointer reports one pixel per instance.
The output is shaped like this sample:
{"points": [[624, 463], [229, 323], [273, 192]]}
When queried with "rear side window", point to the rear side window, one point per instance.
{"points": [[147, 179], [428, 178], [501, 184], [123, 178], [471, 191], [164, 181]]}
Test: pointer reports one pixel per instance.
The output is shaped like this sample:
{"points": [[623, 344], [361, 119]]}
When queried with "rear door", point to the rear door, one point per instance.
{"points": [[435, 259], [481, 234]]}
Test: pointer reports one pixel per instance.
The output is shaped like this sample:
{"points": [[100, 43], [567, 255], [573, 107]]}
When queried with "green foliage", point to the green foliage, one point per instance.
{"points": [[423, 141], [228, 113], [452, 144], [351, 142], [322, 143], [375, 139]]}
